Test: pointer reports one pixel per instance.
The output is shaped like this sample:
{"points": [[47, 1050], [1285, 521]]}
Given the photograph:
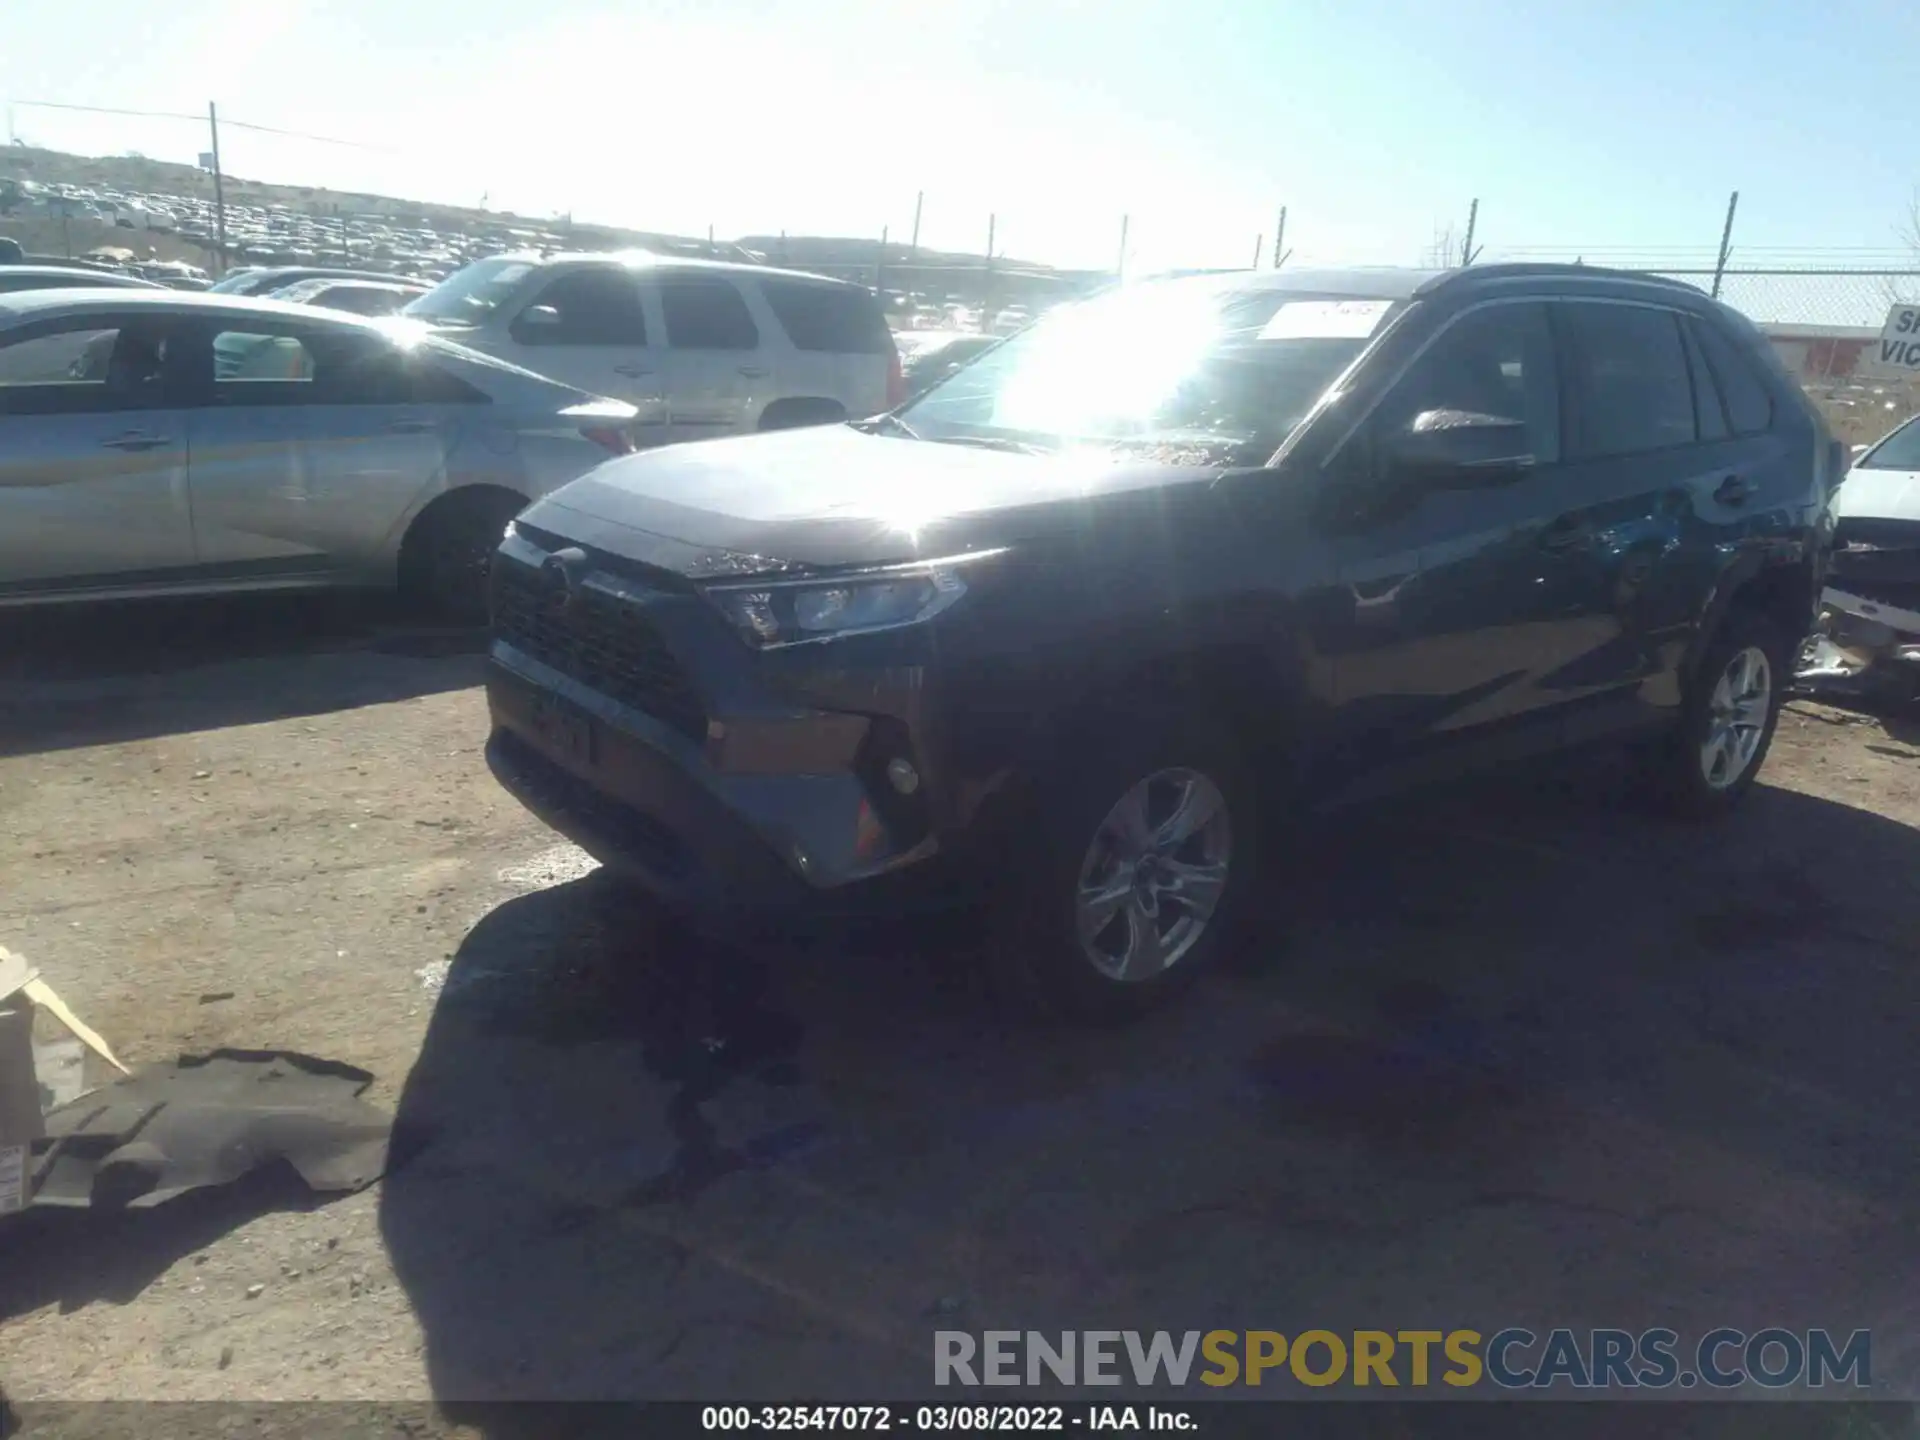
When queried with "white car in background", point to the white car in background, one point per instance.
{"points": [[1869, 626], [700, 348]]}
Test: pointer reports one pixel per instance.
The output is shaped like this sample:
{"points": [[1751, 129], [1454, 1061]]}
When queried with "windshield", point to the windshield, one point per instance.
{"points": [[1170, 363], [468, 296], [1899, 451]]}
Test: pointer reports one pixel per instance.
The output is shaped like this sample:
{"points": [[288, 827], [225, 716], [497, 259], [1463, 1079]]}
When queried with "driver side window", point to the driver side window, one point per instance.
{"points": [[1498, 361]]}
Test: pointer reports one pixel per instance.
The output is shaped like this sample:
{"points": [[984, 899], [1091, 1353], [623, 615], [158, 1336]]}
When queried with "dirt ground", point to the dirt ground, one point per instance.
{"points": [[1527, 1057]]}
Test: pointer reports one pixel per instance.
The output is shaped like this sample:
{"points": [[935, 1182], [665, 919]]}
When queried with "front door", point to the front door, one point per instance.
{"points": [[595, 328], [717, 371], [93, 457], [1448, 627]]}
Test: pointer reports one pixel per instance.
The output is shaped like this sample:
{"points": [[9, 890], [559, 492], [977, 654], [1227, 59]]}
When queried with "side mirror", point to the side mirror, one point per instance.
{"points": [[1855, 452], [1460, 449], [535, 322]]}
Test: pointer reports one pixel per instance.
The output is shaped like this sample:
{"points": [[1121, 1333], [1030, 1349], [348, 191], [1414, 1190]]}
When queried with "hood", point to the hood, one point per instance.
{"points": [[834, 496], [1872, 494]]}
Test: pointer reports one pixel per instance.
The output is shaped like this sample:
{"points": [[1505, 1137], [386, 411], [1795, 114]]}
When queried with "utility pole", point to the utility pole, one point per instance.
{"points": [[1280, 238], [1259, 249], [1726, 243], [913, 245], [880, 263], [1467, 253], [1120, 268], [219, 194]]}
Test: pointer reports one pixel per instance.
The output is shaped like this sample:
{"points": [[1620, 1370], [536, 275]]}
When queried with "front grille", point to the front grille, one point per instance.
{"points": [[603, 642]]}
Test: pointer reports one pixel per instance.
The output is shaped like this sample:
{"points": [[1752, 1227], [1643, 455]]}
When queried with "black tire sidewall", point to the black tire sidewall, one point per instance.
{"points": [[1036, 950], [458, 527]]}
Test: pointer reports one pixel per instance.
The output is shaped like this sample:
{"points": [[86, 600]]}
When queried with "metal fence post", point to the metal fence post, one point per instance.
{"points": [[1726, 244]]}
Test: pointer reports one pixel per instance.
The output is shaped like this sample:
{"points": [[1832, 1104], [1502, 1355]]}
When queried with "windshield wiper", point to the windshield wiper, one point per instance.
{"points": [[892, 423], [994, 442]]}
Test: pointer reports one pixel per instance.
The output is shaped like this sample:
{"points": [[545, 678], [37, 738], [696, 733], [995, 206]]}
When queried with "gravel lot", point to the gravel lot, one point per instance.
{"points": [[1528, 1058]]}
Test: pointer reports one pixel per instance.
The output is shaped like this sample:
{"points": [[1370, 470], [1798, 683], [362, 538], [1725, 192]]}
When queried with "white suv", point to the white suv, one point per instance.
{"points": [[699, 347]]}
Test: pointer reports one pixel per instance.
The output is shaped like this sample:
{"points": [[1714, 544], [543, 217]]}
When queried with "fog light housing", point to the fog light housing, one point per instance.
{"points": [[902, 776]]}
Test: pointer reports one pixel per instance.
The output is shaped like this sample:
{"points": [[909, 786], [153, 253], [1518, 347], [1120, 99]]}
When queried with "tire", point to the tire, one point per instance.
{"points": [[1079, 838], [1684, 778], [447, 556], [796, 414]]}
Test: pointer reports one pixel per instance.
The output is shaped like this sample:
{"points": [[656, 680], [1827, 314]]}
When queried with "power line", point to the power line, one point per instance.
{"points": [[200, 119]]}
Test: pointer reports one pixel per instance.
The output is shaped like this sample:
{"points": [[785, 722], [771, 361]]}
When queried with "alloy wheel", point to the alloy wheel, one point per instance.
{"points": [[1736, 718], [1154, 875]]}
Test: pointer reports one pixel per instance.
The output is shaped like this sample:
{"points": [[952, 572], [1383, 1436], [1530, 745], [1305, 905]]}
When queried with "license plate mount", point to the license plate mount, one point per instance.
{"points": [[564, 728]]}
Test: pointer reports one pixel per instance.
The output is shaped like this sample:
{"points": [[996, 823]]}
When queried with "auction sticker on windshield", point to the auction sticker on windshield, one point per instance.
{"points": [[1325, 319]]}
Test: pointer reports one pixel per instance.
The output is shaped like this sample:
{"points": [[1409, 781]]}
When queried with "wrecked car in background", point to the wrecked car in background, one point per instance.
{"points": [[1868, 634]]}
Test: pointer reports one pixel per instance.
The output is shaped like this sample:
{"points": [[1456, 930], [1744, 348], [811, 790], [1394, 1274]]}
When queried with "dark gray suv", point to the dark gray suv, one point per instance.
{"points": [[1080, 629]]}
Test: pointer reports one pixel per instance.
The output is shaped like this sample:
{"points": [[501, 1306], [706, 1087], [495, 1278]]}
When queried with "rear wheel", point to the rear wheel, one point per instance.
{"points": [[1732, 706], [1134, 877], [447, 556]]}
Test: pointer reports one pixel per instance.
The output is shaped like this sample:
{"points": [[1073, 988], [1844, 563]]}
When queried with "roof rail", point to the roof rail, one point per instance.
{"points": [[1543, 269]]}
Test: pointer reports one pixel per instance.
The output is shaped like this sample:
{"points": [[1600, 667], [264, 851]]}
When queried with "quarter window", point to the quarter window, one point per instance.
{"points": [[1628, 379], [1749, 403]]}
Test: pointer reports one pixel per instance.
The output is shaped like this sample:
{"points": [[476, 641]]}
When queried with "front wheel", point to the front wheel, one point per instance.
{"points": [[1732, 708], [1134, 876]]}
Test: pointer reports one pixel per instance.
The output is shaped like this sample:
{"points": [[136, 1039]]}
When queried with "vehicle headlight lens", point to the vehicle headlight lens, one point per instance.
{"points": [[788, 612]]}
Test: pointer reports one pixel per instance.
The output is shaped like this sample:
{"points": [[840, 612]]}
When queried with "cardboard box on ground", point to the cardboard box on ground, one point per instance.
{"points": [[48, 1056]]}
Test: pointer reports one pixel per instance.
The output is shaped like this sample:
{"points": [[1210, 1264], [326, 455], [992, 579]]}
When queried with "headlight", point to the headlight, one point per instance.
{"points": [[790, 612]]}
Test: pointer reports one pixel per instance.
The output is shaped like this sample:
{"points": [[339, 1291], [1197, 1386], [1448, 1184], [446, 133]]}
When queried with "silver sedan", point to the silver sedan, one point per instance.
{"points": [[154, 442]]}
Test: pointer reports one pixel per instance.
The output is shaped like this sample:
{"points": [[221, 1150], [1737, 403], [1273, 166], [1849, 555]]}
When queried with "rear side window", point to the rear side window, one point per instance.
{"points": [[705, 312], [1749, 402], [836, 318], [600, 306], [1627, 375]]}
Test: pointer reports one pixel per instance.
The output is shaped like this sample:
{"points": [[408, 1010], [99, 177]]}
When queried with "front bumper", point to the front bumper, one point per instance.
{"points": [[1860, 644], [688, 770]]}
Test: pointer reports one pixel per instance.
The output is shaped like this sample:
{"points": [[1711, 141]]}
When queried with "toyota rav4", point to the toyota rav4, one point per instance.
{"points": [[1082, 628]]}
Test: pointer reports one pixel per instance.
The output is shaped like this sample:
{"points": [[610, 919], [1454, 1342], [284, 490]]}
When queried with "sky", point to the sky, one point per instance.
{"points": [[1612, 131]]}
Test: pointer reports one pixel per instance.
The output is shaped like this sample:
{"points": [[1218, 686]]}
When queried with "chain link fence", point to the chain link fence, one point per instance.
{"points": [[1825, 325]]}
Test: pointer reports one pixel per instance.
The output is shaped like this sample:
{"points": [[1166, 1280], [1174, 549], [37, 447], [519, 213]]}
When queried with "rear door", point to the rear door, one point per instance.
{"points": [[1646, 497], [93, 456], [717, 379], [836, 343], [598, 329], [309, 443]]}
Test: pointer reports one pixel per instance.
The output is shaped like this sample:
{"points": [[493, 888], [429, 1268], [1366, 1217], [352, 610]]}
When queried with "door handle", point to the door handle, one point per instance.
{"points": [[135, 440], [754, 372], [409, 427], [1566, 535], [1733, 490], [632, 371]]}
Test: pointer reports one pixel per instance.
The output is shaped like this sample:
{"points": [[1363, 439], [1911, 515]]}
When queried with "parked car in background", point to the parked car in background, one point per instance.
{"points": [[154, 442], [701, 348], [1058, 631], [1868, 635], [268, 278], [60, 277], [357, 297], [929, 356]]}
